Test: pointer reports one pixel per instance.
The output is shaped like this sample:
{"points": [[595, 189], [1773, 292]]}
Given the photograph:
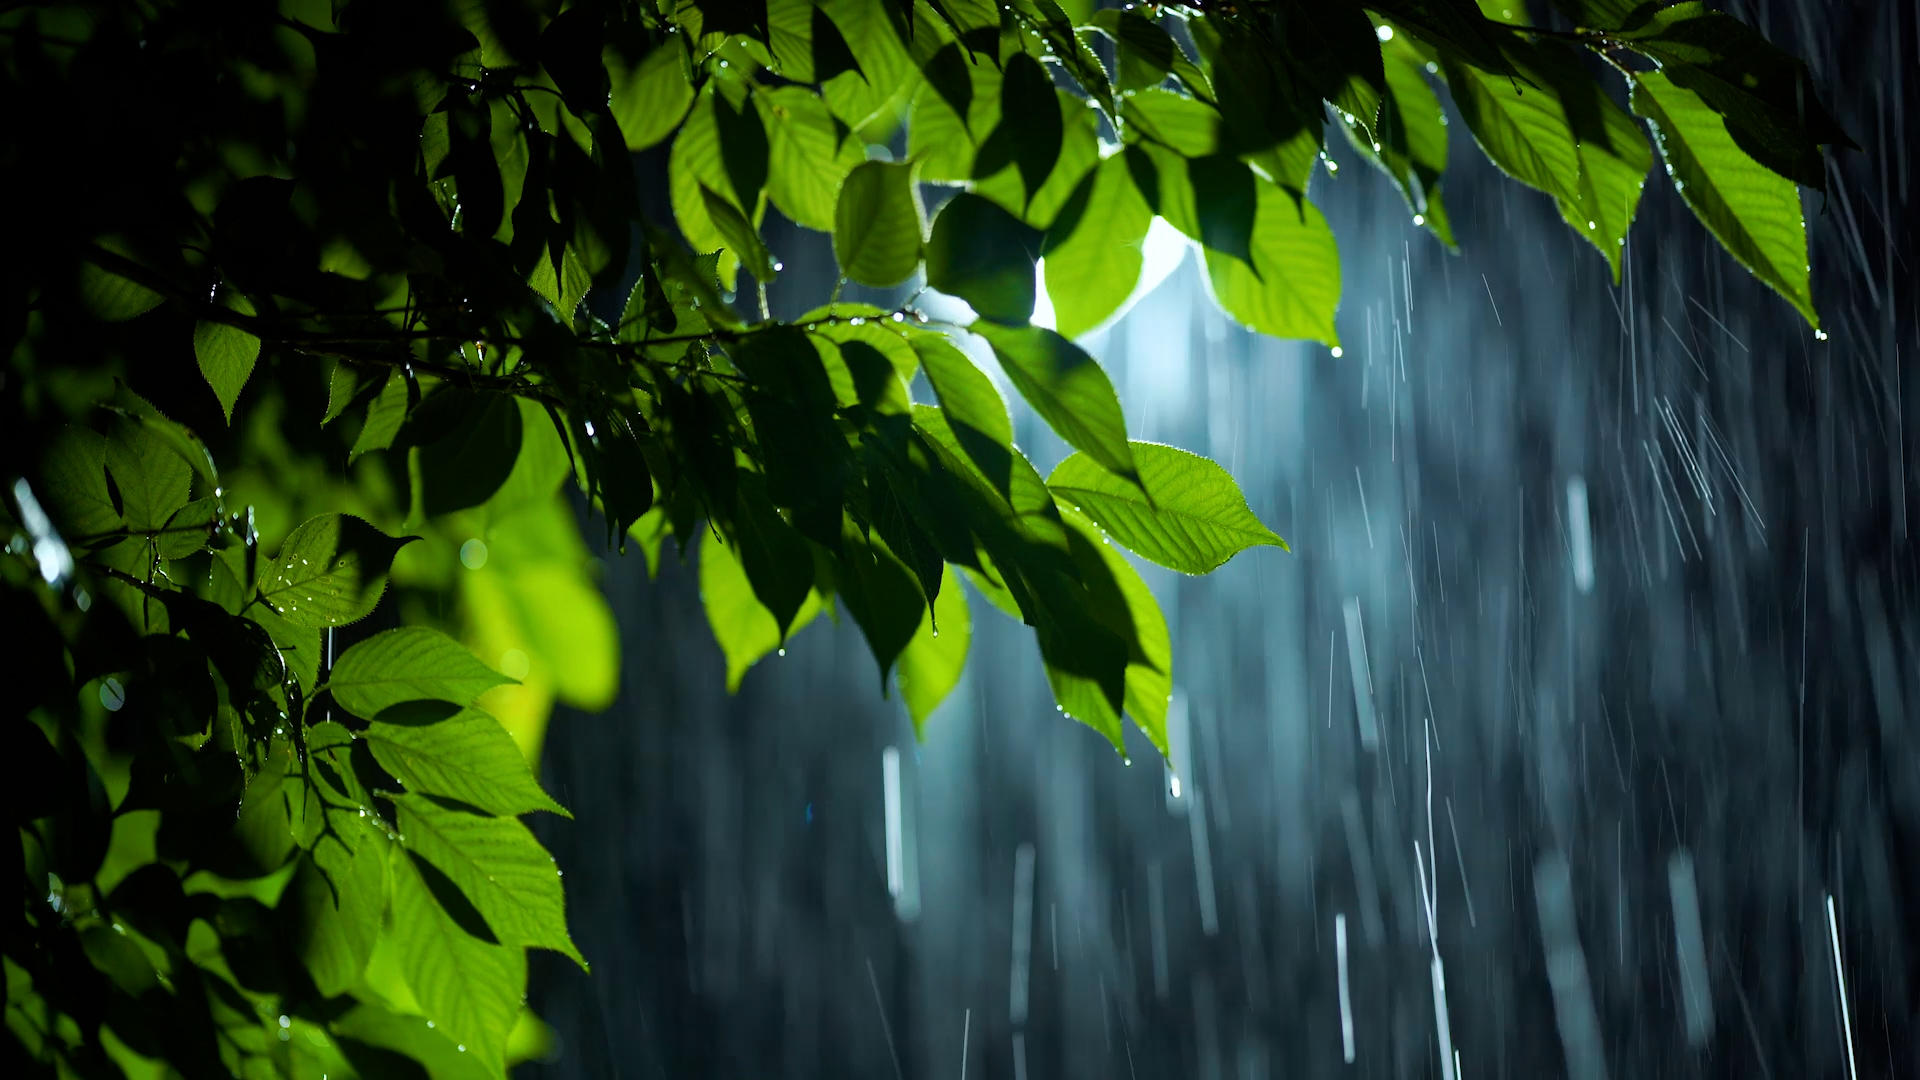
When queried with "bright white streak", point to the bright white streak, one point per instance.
{"points": [[1581, 527], [966, 1033], [1346, 999], [1840, 985], [896, 846], [1690, 947], [1362, 676], [1022, 931], [1203, 867]]}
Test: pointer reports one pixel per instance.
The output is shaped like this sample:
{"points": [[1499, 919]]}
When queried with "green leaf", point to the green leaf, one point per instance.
{"points": [[385, 414], [741, 238], [413, 663], [343, 386], [1079, 153], [1196, 520], [340, 892], [1030, 131], [943, 138], [880, 592], [777, 560], [1271, 112], [1144, 52], [498, 865], [540, 468], [1766, 95], [370, 1036], [931, 663], [1093, 251], [1292, 288], [716, 150], [1752, 211], [469, 441], [1068, 389], [983, 255], [330, 571], [564, 284], [1187, 126], [790, 38], [226, 354], [883, 74], [744, 628], [149, 480], [809, 155], [189, 529], [112, 298], [1334, 50], [877, 224], [299, 646], [1149, 676], [73, 485], [1021, 505], [470, 988], [1064, 47], [1520, 126], [973, 408], [1409, 138], [1614, 159], [456, 753], [650, 100]]}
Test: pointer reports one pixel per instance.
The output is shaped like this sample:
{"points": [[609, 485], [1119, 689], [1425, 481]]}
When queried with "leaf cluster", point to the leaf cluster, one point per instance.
{"points": [[404, 246]]}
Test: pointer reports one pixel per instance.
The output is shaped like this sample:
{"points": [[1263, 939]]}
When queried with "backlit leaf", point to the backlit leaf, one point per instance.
{"points": [[742, 625], [498, 864], [650, 99], [330, 571], [1196, 520], [1752, 211], [470, 988], [226, 354], [456, 753], [1068, 389], [983, 255], [1292, 288], [413, 663], [877, 224], [931, 663], [1093, 251]]}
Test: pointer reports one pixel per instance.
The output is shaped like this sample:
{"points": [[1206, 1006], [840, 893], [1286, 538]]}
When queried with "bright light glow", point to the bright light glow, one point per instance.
{"points": [[896, 849], [1384, 33], [1162, 252]]}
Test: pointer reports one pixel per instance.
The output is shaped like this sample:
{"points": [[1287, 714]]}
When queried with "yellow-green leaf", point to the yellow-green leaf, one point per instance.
{"points": [[1195, 520], [1752, 211]]}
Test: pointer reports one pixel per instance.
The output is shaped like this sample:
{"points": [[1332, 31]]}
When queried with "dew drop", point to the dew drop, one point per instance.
{"points": [[1819, 335], [1384, 33], [1419, 219], [1338, 352]]}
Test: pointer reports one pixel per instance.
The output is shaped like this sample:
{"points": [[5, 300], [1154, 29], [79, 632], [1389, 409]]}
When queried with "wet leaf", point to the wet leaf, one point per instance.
{"points": [[1195, 521]]}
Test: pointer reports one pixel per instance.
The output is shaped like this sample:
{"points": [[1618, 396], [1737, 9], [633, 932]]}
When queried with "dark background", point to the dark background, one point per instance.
{"points": [[1737, 692]]}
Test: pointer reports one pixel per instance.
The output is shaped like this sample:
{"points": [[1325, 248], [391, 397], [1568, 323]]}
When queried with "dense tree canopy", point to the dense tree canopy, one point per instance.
{"points": [[318, 307]]}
